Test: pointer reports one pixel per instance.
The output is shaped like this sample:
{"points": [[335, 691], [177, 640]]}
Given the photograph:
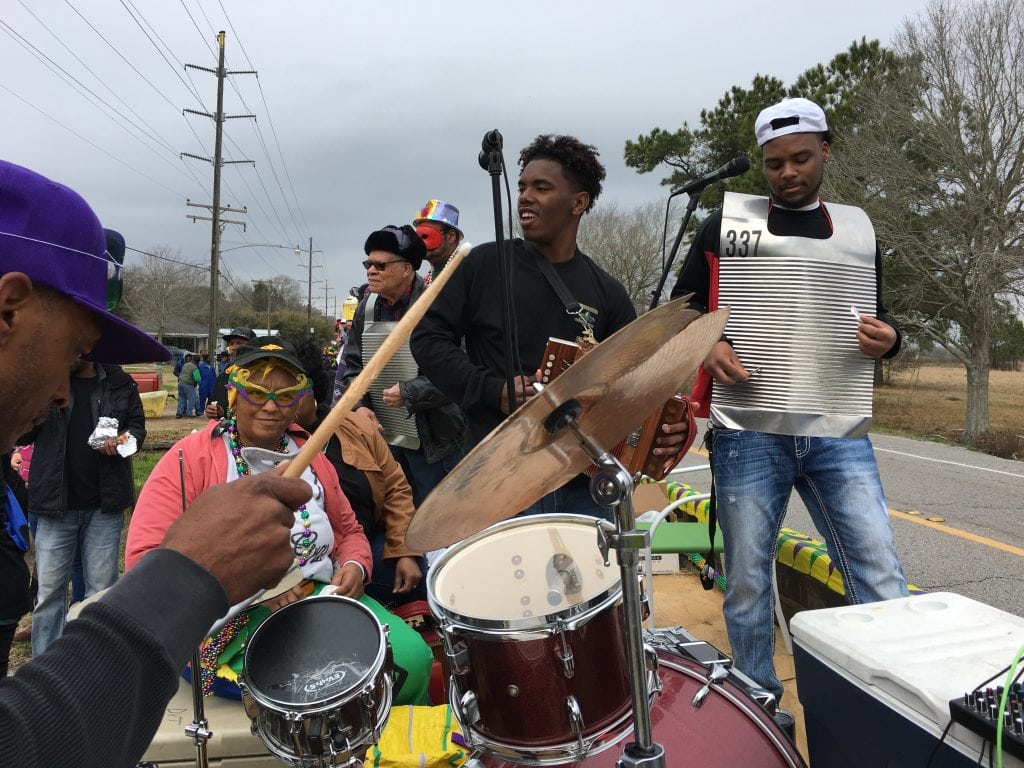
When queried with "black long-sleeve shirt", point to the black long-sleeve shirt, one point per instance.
{"points": [[98, 694], [469, 310]]}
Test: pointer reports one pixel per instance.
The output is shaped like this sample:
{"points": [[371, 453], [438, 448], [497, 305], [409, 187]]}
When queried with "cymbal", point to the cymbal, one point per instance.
{"points": [[617, 384]]}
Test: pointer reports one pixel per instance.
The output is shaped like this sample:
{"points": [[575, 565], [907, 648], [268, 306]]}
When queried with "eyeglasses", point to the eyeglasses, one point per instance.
{"points": [[285, 397], [380, 266]]}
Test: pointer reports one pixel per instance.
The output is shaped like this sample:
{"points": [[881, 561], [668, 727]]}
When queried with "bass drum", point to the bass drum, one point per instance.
{"points": [[727, 729]]}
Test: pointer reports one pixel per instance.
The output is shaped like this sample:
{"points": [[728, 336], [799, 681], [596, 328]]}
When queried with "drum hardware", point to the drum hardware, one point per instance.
{"points": [[717, 675], [575, 714], [566, 657], [611, 485], [199, 729], [470, 709]]}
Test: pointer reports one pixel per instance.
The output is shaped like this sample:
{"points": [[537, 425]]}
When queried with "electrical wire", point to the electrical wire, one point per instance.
{"points": [[1001, 715], [77, 85], [91, 143], [270, 121]]}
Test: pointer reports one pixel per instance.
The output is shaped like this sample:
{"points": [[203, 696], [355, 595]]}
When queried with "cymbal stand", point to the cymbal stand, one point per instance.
{"points": [[199, 729], [612, 486]]}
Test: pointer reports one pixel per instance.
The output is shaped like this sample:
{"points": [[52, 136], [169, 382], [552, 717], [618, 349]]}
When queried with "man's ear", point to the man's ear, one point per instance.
{"points": [[580, 203], [15, 295]]}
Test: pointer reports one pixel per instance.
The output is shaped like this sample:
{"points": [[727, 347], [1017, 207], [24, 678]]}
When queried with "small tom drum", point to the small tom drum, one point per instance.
{"points": [[533, 627], [317, 681]]}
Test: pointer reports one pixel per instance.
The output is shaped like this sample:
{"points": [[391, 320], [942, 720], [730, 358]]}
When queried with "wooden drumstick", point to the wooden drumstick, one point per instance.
{"points": [[371, 371]]}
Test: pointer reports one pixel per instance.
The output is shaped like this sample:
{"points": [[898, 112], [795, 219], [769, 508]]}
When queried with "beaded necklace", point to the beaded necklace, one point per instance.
{"points": [[430, 275], [243, 469]]}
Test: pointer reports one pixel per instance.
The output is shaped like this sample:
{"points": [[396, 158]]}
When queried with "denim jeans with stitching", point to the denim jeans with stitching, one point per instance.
{"points": [[98, 536], [838, 481]]}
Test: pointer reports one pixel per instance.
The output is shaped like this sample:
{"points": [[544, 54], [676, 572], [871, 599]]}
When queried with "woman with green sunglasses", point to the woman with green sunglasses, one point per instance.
{"points": [[265, 387]]}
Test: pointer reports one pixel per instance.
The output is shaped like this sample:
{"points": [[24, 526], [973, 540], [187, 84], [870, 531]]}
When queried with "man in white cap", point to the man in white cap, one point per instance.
{"points": [[788, 387], [437, 222], [100, 691]]}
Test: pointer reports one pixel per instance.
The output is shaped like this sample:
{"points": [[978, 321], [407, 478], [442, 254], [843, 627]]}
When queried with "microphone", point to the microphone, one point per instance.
{"points": [[491, 143], [735, 167]]}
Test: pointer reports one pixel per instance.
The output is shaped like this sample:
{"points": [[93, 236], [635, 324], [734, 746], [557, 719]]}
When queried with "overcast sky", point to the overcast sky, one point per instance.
{"points": [[374, 107]]}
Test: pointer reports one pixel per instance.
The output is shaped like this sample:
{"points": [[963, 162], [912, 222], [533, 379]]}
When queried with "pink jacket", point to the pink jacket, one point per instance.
{"points": [[206, 464]]}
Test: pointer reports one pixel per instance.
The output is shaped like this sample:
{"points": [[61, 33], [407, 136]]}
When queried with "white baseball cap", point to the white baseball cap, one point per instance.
{"points": [[789, 116]]}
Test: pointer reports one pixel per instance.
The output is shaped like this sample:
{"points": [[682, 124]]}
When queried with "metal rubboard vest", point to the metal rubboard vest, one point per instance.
{"points": [[399, 426], [790, 322]]}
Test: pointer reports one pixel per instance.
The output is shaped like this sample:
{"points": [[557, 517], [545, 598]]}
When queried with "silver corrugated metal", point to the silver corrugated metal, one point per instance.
{"points": [[399, 426], [790, 322]]}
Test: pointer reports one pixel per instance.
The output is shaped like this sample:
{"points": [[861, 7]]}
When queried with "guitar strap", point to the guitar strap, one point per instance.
{"points": [[581, 313]]}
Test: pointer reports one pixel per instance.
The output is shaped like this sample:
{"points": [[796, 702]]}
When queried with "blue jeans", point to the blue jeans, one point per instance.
{"points": [[98, 536], [187, 399], [573, 498], [382, 581], [837, 479], [424, 477]]}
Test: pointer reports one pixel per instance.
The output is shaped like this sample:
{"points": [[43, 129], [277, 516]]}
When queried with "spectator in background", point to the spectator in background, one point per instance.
{"points": [[207, 377], [217, 407], [15, 598], [188, 379], [80, 489]]}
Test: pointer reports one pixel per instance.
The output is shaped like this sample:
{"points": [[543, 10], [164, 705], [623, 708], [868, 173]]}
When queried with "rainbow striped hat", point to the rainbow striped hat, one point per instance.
{"points": [[440, 211]]}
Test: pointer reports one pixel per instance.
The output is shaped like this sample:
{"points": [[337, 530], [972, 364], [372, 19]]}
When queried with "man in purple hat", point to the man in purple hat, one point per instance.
{"points": [[438, 224], [99, 692]]}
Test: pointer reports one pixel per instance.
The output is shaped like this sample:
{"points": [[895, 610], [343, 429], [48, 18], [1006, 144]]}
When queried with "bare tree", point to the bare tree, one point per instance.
{"points": [[938, 160], [627, 244], [163, 286]]}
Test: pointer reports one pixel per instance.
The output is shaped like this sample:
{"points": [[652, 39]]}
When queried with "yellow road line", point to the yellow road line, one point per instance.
{"points": [[957, 532], [1003, 547]]}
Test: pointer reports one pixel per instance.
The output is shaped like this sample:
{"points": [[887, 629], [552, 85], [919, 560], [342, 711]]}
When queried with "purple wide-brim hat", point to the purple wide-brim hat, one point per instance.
{"points": [[48, 232]]}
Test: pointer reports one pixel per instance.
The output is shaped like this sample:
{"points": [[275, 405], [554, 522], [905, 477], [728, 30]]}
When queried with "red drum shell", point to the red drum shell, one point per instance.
{"points": [[521, 689], [728, 729]]}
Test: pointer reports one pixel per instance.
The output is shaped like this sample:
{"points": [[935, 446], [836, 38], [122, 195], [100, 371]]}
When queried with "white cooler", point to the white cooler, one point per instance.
{"points": [[875, 680]]}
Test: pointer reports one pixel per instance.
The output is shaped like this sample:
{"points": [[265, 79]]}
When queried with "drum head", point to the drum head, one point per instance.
{"points": [[313, 651], [523, 573]]}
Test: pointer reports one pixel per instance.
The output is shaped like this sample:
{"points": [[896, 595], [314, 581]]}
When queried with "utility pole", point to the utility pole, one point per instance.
{"points": [[309, 289], [215, 208]]}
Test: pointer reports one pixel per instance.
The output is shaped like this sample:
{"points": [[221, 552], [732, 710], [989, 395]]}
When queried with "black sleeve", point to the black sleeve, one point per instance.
{"points": [[695, 274], [436, 342], [880, 309], [98, 694], [220, 391]]}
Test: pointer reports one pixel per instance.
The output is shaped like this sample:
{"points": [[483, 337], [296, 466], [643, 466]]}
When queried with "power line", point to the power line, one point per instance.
{"points": [[91, 143], [157, 47], [79, 86], [270, 120]]}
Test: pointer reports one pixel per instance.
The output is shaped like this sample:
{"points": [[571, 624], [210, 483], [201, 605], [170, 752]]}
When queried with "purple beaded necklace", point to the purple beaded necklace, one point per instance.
{"points": [[243, 469]]}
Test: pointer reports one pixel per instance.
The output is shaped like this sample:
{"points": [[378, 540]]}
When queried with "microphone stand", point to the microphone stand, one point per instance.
{"points": [[491, 161], [691, 206]]}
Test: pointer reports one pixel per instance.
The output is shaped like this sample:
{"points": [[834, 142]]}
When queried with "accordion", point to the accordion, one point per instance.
{"points": [[636, 450]]}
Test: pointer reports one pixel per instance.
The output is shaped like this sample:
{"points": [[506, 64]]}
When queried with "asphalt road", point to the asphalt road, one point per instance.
{"points": [[977, 549]]}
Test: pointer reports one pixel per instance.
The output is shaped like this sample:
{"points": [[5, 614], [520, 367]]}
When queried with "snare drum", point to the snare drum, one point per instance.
{"points": [[726, 727], [317, 681], [533, 628]]}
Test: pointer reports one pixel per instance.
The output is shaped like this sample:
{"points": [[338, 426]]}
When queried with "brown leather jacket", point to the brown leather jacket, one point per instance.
{"points": [[363, 448]]}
